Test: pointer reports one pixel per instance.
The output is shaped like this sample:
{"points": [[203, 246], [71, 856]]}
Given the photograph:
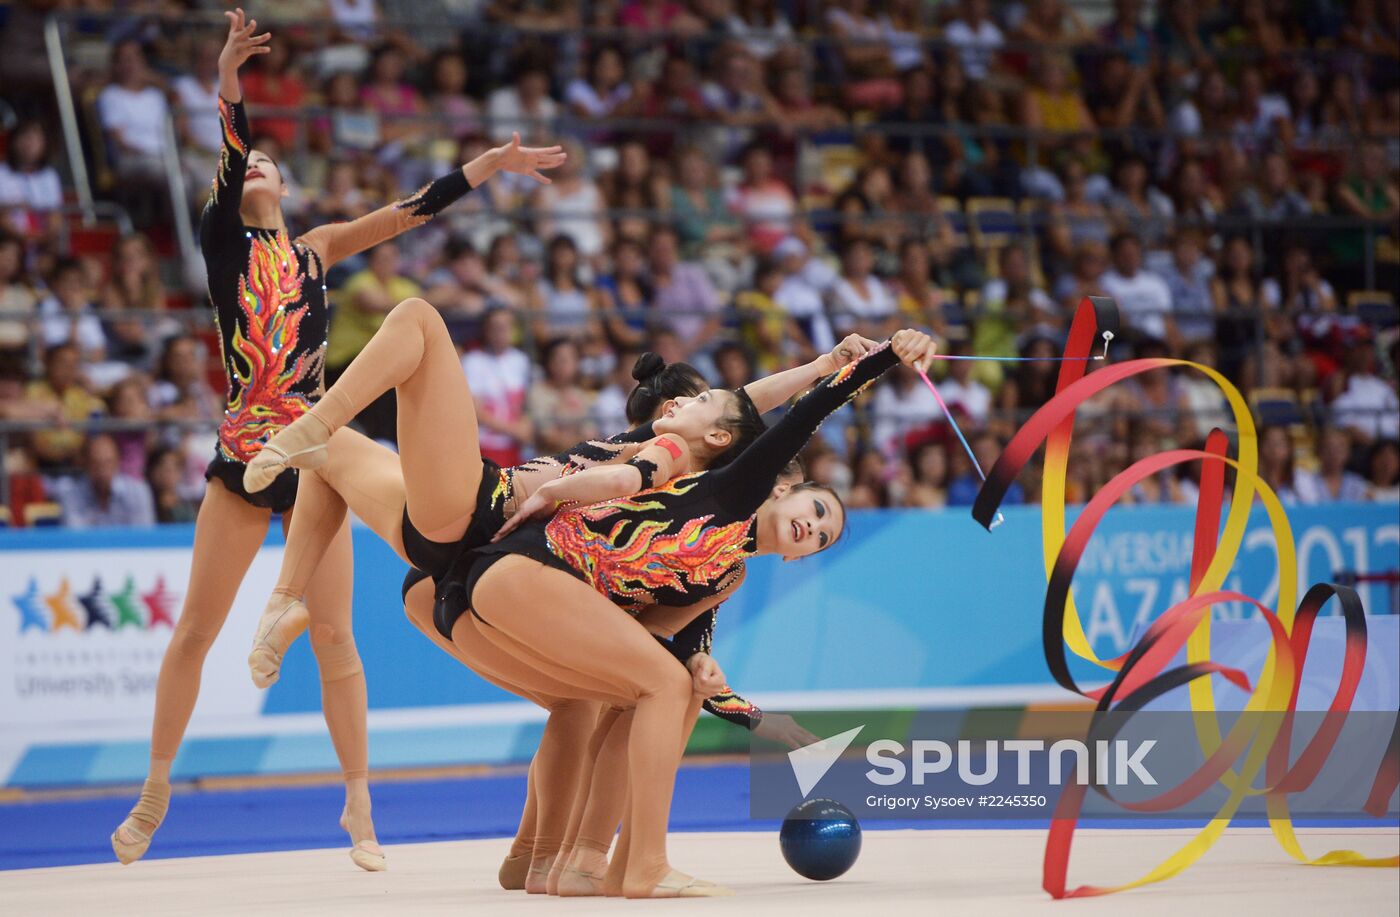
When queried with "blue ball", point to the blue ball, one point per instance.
{"points": [[820, 839]]}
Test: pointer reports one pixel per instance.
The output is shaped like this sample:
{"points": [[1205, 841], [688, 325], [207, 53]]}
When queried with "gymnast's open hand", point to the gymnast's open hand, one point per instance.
{"points": [[914, 348], [529, 160], [539, 505], [241, 43], [705, 674], [783, 729]]}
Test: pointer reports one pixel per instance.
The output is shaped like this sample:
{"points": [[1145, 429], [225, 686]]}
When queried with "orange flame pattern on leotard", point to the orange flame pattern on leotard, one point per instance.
{"points": [[648, 558], [263, 401]]}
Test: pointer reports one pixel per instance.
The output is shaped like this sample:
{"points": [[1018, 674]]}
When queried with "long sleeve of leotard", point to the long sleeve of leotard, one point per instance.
{"points": [[337, 241], [220, 217], [743, 485], [698, 637], [732, 708]]}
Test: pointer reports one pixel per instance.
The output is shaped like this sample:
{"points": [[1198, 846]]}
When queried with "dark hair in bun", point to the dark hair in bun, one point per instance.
{"points": [[659, 382]]}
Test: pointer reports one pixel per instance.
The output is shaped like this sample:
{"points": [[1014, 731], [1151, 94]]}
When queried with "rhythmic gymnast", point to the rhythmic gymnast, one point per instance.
{"points": [[269, 298], [552, 777], [413, 353], [547, 595]]}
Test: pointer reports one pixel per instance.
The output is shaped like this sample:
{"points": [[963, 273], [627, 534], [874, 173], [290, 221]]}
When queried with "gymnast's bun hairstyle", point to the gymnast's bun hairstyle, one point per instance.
{"points": [[659, 382]]}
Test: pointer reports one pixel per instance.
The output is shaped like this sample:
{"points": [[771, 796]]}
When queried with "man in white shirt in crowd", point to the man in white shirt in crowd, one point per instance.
{"points": [[133, 113], [102, 495], [524, 106], [197, 118], [959, 389], [976, 37], [1144, 298], [499, 375], [802, 292], [1368, 407]]}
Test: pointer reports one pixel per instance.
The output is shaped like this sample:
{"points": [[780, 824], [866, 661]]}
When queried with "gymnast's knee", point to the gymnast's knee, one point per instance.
{"points": [[419, 311], [670, 682], [190, 643], [335, 653]]}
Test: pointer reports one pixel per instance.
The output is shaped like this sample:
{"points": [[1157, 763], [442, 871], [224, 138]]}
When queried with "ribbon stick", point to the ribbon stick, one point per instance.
{"points": [[962, 439], [1236, 760]]}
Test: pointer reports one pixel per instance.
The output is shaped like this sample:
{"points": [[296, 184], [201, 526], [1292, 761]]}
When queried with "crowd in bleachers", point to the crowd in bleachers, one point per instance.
{"points": [[748, 180]]}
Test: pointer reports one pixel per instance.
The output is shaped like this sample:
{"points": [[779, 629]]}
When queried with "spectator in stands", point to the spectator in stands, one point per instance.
{"points": [[1054, 108], [867, 71], [133, 285], [396, 101], [31, 194], [1182, 42], [447, 94], [1276, 463], [737, 99], [1368, 406], [962, 489], [1123, 95], [976, 37], [196, 96], [1078, 219], [1261, 116], [181, 390], [272, 82], [575, 205], [1368, 191], [499, 375], [870, 481], [362, 304], [1126, 34], [1143, 297], [928, 462], [765, 327], [763, 201], [1189, 277], [18, 297], [1194, 199], [343, 197], [801, 295], [127, 401], [860, 300], [760, 26], [133, 113], [698, 209], [1332, 483], [62, 390], [67, 313], [1299, 287], [1274, 197], [920, 300], [1384, 466], [734, 364], [1134, 204], [559, 409], [900, 406], [960, 390], [525, 106], [658, 16], [562, 295], [103, 495], [1015, 285], [348, 125], [1085, 277], [163, 473], [604, 89], [1160, 489], [460, 285], [684, 300]]}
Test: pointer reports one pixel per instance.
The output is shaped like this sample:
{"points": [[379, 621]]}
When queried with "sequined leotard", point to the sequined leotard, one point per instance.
{"points": [[501, 491], [678, 543], [269, 298]]}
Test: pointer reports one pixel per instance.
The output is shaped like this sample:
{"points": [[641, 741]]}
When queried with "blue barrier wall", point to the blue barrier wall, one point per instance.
{"points": [[911, 607]]}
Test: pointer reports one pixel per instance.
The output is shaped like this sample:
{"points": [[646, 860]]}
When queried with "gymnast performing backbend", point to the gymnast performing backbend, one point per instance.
{"points": [[367, 478], [664, 556], [269, 297]]}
